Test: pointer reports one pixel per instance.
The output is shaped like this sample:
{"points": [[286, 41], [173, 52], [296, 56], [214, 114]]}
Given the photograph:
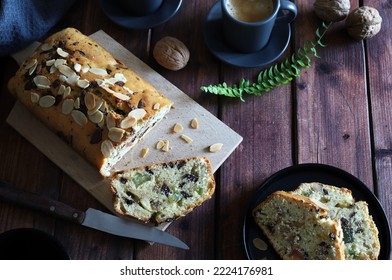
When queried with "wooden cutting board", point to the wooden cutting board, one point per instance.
{"points": [[211, 130]]}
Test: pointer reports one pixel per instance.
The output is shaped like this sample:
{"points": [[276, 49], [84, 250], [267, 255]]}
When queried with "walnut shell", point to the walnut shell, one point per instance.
{"points": [[171, 53], [363, 22], [332, 10]]}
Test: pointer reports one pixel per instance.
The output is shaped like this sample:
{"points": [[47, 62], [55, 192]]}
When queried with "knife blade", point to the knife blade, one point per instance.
{"points": [[91, 218]]}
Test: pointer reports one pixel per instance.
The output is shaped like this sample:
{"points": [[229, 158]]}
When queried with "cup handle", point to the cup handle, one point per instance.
{"points": [[289, 12]]}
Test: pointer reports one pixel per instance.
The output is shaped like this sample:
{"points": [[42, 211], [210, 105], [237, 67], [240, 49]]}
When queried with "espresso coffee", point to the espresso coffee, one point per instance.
{"points": [[250, 10]]}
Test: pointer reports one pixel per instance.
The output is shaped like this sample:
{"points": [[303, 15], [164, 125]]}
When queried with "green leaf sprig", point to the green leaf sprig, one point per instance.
{"points": [[276, 75]]}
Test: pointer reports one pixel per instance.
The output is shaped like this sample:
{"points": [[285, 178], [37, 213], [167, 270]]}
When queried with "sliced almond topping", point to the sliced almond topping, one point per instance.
{"points": [[85, 69], [186, 138], [120, 77], [77, 103], [216, 147], [260, 244], [128, 122], [166, 147], [34, 97], [107, 148], [41, 82], [47, 101], [50, 62], [116, 134], [79, 117], [98, 71], [137, 113], [195, 123], [178, 128], [110, 120], [61, 52], [65, 70], [67, 107], [97, 106], [156, 106], [97, 117], [120, 95], [31, 63], [59, 62], [67, 92], [77, 67], [72, 79], [62, 78], [89, 100], [61, 90], [83, 83], [32, 69], [160, 144], [144, 152]]}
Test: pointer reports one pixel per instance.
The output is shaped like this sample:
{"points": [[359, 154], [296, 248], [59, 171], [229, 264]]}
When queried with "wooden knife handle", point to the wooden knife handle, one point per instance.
{"points": [[44, 204]]}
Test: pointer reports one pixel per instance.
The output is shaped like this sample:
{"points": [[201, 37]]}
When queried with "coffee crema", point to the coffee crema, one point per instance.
{"points": [[250, 10]]}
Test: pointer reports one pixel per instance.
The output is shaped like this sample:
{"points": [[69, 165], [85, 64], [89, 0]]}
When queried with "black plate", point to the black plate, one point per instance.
{"points": [[288, 179], [121, 17], [213, 36]]}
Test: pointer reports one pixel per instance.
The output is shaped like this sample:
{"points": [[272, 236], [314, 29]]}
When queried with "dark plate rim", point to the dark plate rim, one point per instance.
{"points": [[374, 205]]}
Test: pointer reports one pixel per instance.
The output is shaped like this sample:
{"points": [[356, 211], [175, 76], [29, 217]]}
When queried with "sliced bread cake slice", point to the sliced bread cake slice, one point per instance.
{"points": [[164, 191], [298, 228], [360, 232]]}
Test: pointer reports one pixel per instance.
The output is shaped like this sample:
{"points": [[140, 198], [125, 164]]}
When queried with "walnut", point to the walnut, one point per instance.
{"points": [[363, 22], [332, 10], [171, 53]]}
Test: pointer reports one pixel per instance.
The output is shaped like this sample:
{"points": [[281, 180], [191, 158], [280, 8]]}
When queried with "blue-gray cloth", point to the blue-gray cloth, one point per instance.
{"points": [[25, 21]]}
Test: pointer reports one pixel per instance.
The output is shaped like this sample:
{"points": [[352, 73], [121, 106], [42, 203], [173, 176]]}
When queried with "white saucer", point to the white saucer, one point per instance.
{"points": [[121, 17], [213, 36]]}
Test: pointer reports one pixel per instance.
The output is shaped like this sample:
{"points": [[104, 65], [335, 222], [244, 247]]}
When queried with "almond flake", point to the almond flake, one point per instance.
{"points": [[65, 70], [178, 128], [32, 69], [107, 148], [61, 52], [116, 134], [120, 96], [67, 107], [110, 120], [128, 122], [156, 106], [61, 90], [98, 104], [31, 63], [216, 147], [34, 97], [79, 117], [166, 147], [186, 138], [59, 62], [50, 62], [47, 101], [77, 67], [195, 123], [83, 83], [120, 77], [137, 113], [85, 69], [89, 100], [42, 82], [144, 152], [77, 103], [96, 118], [98, 71], [67, 92], [160, 144]]}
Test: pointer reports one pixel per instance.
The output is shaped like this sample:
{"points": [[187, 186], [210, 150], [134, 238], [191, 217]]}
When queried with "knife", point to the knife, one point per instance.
{"points": [[91, 218]]}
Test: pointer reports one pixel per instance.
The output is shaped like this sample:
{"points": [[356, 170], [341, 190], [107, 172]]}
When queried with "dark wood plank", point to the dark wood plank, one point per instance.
{"points": [[331, 101], [379, 60]]}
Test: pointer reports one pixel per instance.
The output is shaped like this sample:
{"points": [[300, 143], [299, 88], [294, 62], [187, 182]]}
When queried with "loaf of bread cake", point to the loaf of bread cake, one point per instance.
{"points": [[298, 228], [359, 230], [89, 98], [164, 191]]}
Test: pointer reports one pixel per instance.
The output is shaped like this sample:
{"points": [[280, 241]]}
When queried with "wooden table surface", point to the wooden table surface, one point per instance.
{"points": [[338, 112]]}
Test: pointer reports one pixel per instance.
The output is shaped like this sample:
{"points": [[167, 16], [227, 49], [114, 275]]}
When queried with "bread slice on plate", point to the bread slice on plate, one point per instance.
{"points": [[165, 191], [299, 228], [360, 232]]}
